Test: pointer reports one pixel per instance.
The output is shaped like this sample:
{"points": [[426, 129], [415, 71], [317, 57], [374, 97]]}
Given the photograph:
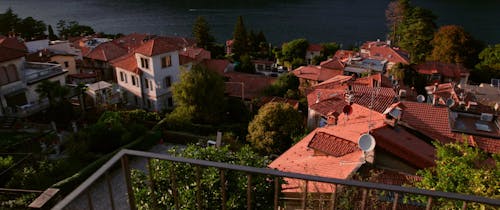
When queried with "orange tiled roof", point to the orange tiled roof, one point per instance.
{"points": [[428, 119], [445, 69], [127, 62], [315, 73], [332, 145], [343, 55], [106, 51], [11, 48], [197, 54], [157, 45], [382, 80], [300, 158], [332, 63], [333, 82], [268, 99], [254, 84], [382, 51], [217, 65], [132, 41]]}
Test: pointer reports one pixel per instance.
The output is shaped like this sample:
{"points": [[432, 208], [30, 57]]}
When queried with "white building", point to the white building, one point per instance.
{"points": [[147, 74]]}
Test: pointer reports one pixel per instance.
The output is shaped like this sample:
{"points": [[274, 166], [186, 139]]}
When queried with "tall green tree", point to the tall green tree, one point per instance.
{"points": [[8, 21], [272, 130], [464, 169], [240, 39], [201, 33], [285, 86], [452, 44], [199, 96], [395, 14], [177, 179], [30, 28], [52, 35], [416, 32]]}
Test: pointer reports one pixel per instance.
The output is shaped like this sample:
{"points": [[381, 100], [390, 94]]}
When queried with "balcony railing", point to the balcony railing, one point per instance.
{"points": [[83, 197]]}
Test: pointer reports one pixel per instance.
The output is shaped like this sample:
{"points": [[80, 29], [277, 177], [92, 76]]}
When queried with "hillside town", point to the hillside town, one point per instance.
{"points": [[368, 113]]}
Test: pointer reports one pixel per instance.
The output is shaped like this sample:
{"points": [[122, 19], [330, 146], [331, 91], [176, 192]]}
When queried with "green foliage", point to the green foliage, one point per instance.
{"points": [[287, 85], [68, 29], [199, 96], [294, 51], [329, 49], [272, 130], [452, 44], [201, 33], [6, 162], [415, 33], [462, 169], [240, 38], [395, 15], [167, 173], [245, 65], [28, 28], [52, 35], [489, 65], [398, 71]]}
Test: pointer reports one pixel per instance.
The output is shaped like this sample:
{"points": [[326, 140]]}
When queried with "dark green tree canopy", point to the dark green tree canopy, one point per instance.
{"points": [[283, 85], [27, 28], [416, 32], [272, 130], [201, 33], [295, 49], [72, 29], [452, 44], [490, 58], [240, 39], [199, 95], [395, 14]]}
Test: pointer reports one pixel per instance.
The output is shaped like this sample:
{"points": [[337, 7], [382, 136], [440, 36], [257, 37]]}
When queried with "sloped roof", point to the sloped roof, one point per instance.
{"points": [[333, 82], [11, 48], [332, 145], [106, 51], [314, 47], [300, 158], [127, 62], [382, 51], [405, 145], [332, 63], [382, 80], [196, 53], [269, 99], [132, 41], [217, 65], [156, 46], [315, 73], [446, 69], [254, 84], [382, 97]]}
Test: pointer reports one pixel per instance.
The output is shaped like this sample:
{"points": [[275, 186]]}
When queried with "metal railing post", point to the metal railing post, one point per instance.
{"points": [[304, 197], [152, 182], [334, 197], [174, 188], [429, 203], [89, 200], [198, 188], [395, 203], [223, 188], [110, 191], [249, 191], [128, 182], [363, 199], [276, 192]]}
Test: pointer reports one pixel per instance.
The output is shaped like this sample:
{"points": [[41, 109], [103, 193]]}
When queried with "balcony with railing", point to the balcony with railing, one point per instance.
{"points": [[34, 72], [112, 187]]}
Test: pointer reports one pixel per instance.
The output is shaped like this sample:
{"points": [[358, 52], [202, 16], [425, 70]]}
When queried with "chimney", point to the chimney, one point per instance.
{"points": [[435, 87]]}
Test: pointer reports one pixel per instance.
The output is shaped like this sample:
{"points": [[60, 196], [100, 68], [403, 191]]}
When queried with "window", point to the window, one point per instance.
{"points": [[149, 103], [66, 64], [168, 82], [145, 63], [150, 85], [8, 75], [146, 83], [166, 61], [134, 81], [122, 76]]}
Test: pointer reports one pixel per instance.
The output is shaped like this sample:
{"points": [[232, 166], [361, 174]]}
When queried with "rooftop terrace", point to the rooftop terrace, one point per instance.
{"points": [[35, 72]]}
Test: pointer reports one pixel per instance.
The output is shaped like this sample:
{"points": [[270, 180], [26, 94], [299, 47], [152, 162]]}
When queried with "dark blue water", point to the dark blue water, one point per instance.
{"points": [[343, 21]]}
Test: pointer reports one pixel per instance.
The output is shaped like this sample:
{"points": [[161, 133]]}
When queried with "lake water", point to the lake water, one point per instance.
{"points": [[343, 21]]}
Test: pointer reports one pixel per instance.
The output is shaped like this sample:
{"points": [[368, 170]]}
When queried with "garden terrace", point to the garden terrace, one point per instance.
{"points": [[367, 195]]}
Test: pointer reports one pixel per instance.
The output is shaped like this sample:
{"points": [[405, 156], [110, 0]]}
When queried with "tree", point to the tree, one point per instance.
{"points": [[201, 33], [398, 71], [283, 85], [199, 96], [240, 39], [329, 49], [72, 29], [416, 32], [273, 128], [166, 173], [489, 65], [8, 21], [294, 50], [395, 15], [452, 44], [464, 169], [52, 35], [245, 64], [30, 28]]}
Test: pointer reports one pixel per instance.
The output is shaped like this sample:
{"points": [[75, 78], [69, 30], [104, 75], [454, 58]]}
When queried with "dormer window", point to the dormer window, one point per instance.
{"points": [[145, 63]]}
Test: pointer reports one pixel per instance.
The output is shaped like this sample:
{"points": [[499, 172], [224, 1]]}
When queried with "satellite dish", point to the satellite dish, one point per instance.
{"points": [[366, 142], [450, 102], [421, 98], [347, 109]]}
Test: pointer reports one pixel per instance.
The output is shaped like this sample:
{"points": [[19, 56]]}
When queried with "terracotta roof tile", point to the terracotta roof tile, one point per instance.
{"points": [[106, 51], [332, 63], [158, 45], [268, 99], [197, 54], [254, 84], [382, 51], [315, 73], [127, 62], [332, 145], [11, 48], [445, 69], [217, 65], [314, 47]]}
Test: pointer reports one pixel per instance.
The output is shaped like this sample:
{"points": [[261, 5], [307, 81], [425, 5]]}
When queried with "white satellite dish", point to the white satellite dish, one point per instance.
{"points": [[366, 142], [421, 98], [450, 102]]}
